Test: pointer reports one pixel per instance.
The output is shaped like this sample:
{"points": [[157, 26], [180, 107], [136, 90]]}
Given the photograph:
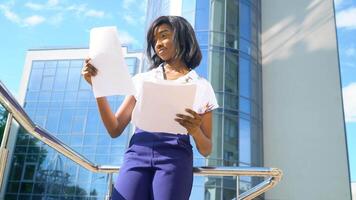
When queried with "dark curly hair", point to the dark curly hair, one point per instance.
{"points": [[188, 50]]}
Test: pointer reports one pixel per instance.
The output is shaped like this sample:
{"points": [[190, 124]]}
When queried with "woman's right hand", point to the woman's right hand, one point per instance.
{"points": [[88, 71]]}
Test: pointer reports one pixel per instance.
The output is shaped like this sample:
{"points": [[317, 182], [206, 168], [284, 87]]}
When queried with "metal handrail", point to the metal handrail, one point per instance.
{"points": [[15, 109]]}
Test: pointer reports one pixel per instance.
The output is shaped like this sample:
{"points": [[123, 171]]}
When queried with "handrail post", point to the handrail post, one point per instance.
{"points": [[237, 187], [3, 148], [109, 190]]}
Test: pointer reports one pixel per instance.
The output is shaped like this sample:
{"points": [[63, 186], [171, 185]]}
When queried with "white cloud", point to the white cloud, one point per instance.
{"points": [[129, 19], [52, 12], [34, 6], [126, 38], [346, 18], [52, 2], [56, 19], [128, 3], [12, 16], [95, 13], [350, 51], [15, 18], [83, 10], [33, 20], [78, 9], [349, 96]]}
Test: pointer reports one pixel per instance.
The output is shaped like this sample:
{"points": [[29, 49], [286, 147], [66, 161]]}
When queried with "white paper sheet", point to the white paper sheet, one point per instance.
{"points": [[159, 104], [113, 76]]}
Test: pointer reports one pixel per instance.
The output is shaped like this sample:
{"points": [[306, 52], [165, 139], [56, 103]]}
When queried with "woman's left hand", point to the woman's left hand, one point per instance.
{"points": [[190, 122]]}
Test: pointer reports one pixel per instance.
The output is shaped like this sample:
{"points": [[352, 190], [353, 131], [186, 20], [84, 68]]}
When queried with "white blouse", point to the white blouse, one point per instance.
{"points": [[205, 99]]}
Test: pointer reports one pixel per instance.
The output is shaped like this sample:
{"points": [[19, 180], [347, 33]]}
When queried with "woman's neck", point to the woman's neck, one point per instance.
{"points": [[176, 65]]}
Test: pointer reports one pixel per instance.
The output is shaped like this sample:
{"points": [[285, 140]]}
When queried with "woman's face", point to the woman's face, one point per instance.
{"points": [[164, 46]]}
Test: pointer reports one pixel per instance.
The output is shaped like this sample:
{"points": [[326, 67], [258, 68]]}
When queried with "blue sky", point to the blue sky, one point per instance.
{"points": [[346, 30], [29, 24]]}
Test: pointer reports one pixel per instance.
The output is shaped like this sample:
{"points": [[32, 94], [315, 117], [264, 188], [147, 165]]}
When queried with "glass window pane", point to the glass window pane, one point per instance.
{"points": [[70, 96], [202, 37], [78, 124], [73, 79], [77, 63], [245, 141], [84, 96], [131, 61], [201, 15], [231, 81], [202, 69], [31, 96], [47, 83], [245, 21], [57, 96], [217, 64], [49, 71], [44, 96], [60, 79], [245, 105], [53, 120], [26, 188], [38, 64], [92, 121], [63, 63], [29, 171], [66, 120], [90, 140], [51, 64], [76, 140], [35, 79], [13, 187], [244, 77], [232, 24], [84, 85]]}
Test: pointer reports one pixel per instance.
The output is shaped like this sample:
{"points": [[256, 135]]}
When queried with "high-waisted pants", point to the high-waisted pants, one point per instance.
{"points": [[156, 166]]}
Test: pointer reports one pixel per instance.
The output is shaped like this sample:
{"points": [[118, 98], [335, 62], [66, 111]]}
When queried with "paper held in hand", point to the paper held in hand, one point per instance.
{"points": [[113, 77], [158, 105]]}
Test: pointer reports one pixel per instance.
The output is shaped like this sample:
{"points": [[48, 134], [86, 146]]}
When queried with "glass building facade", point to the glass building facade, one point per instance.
{"points": [[60, 100], [228, 32]]}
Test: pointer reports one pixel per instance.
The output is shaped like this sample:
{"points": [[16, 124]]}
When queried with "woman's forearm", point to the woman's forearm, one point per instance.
{"points": [[202, 142], [108, 117]]}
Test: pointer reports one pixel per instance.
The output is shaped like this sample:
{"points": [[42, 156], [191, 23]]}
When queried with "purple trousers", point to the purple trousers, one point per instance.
{"points": [[156, 166]]}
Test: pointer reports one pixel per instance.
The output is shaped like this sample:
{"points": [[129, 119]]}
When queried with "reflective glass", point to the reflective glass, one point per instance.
{"points": [[51, 64], [245, 141], [73, 78], [201, 15], [47, 83], [245, 77], [61, 78], [38, 64], [217, 64], [35, 79], [245, 21], [232, 24], [231, 69]]}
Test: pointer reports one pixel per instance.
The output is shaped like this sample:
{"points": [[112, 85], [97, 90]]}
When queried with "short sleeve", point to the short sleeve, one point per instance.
{"points": [[137, 81], [211, 103], [205, 99]]}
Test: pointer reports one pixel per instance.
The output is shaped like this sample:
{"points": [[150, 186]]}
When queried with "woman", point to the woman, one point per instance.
{"points": [[160, 165]]}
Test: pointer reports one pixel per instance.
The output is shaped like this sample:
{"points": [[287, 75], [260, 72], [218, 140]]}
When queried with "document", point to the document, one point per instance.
{"points": [[113, 77], [159, 103]]}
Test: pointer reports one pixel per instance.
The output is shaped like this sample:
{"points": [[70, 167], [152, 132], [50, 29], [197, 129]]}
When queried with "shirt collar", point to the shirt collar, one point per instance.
{"points": [[189, 77]]}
